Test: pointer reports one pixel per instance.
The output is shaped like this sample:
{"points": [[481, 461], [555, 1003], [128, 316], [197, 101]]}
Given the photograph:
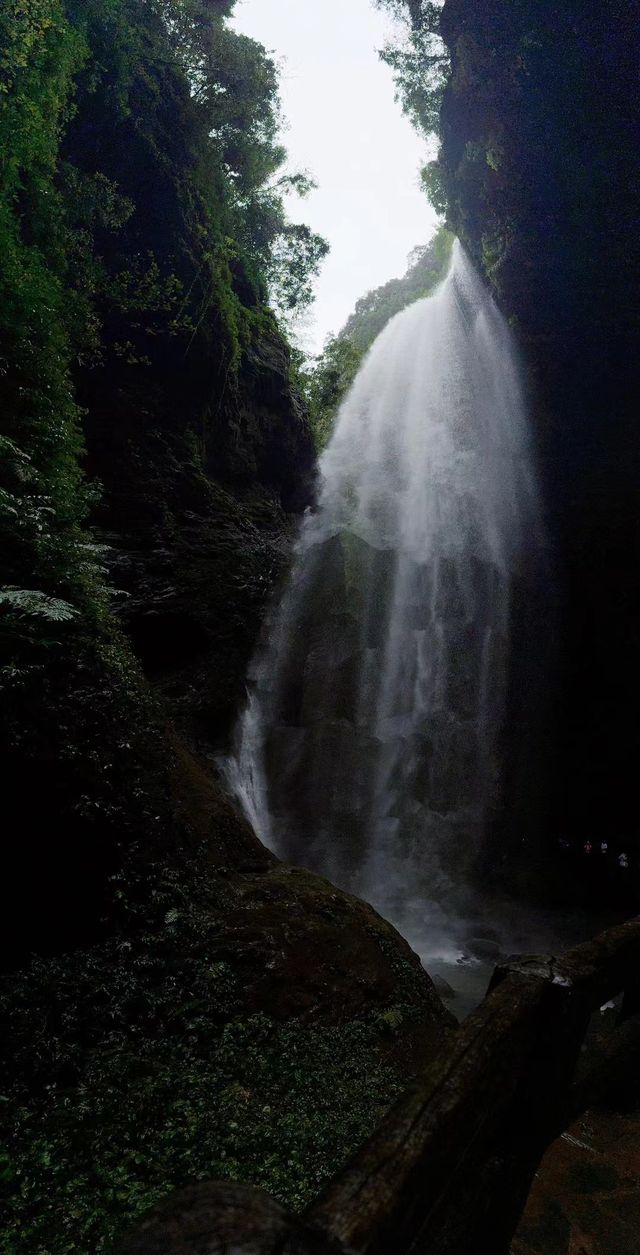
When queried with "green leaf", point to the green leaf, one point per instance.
{"points": [[30, 601]]}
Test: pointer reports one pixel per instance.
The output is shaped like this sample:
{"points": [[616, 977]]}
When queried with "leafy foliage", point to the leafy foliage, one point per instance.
{"points": [[42, 496], [327, 381], [419, 61], [32, 602], [296, 257]]}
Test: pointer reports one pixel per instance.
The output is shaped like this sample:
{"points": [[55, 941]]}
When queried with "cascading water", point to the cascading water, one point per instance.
{"points": [[370, 749]]}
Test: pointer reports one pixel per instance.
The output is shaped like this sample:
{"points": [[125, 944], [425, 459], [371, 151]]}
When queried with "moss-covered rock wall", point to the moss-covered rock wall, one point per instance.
{"points": [[154, 450]]}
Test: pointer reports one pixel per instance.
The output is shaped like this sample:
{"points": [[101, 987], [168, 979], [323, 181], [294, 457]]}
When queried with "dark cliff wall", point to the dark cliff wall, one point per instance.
{"points": [[154, 450], [539, 163], [192, 423]]}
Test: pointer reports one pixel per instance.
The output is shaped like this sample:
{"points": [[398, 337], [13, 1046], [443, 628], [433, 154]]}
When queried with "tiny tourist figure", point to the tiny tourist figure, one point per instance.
{"points": [[588, 847], [623, 862], [604, 846]]}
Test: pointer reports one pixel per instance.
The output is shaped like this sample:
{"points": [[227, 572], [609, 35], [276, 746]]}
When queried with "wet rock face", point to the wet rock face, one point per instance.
{"points": [[201, 484], [198, 539], [359, 738], [520, 125], [197, 591]]}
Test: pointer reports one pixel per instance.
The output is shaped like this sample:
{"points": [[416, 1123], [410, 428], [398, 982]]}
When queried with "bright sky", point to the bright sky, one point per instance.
{"points": [[347, 130]]}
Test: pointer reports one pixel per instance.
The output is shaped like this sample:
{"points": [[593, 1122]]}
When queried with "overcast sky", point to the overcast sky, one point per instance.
{"points": [[346, 129]]}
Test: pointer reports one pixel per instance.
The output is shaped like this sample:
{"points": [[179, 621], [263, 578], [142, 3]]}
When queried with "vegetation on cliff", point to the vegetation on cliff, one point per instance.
{"points": [[144, 241]]}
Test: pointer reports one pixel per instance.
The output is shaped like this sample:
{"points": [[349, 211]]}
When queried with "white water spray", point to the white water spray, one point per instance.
{"points": [[370, 749]]}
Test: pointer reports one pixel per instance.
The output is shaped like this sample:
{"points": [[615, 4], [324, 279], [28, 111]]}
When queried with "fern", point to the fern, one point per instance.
{"points": [[10, 449], [31, 602]]}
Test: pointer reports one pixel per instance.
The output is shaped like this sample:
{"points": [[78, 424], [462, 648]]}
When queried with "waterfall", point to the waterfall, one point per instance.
{"points": [[371, 748]]}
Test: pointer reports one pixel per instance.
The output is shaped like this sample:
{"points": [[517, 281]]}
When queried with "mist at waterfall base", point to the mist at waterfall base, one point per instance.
{"points": [[372, 747]]}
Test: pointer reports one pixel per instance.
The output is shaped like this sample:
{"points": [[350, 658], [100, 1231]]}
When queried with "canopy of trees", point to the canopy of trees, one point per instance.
{"points": [[418, 59]]}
